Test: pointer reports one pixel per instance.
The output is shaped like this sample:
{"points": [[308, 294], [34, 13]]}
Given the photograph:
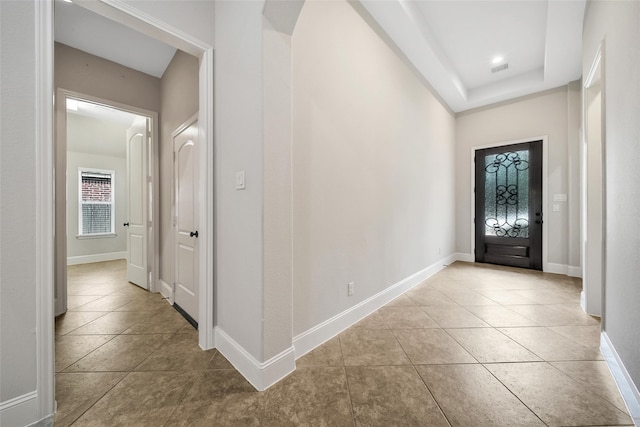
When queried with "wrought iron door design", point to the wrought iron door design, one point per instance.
{"points": [[509, 205]]}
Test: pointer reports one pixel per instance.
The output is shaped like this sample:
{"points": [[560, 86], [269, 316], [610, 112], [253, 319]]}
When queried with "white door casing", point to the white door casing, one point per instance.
{"points": [[137, 153], [185, 221]]}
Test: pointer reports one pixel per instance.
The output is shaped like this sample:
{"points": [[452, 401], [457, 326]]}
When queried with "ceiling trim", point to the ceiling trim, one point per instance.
{"points": [[406, 27]]}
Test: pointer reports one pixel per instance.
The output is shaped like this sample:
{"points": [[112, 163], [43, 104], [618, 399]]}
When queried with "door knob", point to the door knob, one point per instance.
{"points": [[194, 234], [126, 224]]}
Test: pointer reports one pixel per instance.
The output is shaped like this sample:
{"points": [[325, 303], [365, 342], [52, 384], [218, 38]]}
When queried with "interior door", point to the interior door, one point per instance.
{"points": [[508, 205], [185, 144], [136, 222]]}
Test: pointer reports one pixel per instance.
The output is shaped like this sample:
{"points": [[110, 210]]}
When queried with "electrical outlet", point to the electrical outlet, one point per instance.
{"points": [[350, 288]]}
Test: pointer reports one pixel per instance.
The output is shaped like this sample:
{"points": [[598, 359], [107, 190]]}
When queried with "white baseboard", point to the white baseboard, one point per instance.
{"points": [[464, 257], [556, 268], [574, 271], [20, 410], [261, 375], [87, 259], [319, 334], [628, 389], [166, 290]]}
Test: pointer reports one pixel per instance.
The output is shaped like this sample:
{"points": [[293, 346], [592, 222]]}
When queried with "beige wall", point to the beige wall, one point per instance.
{"points": [[544, 114], [79, 71], [179, 101], [618, 23], [373, 166]]}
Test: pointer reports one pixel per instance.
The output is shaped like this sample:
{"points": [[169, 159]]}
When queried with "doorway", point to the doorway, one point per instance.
{"points": [[508, 205], [111, 182]]}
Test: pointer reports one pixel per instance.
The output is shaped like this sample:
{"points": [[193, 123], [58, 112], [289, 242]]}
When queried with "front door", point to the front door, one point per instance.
{"points": [[508, 193], [185, 170], [136, 221]]}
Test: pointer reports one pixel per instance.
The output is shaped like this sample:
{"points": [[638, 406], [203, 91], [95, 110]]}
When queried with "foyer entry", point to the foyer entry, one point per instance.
{"points": [[508, 205]]}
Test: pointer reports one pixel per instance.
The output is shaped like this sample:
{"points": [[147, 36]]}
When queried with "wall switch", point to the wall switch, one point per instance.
{"points": [[559, 197], [350, 288], [556, 207], [240, 182]]}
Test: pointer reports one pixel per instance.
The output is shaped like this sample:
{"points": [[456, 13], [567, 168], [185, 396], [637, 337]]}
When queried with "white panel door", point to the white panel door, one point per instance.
{"points": [[185, 170], [136, 222]]}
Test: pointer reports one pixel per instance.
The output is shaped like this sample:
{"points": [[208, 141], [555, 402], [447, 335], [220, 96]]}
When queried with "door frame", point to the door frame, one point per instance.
{"points": [[132, 17], [592, 297], [183, 126], [545, 189], [153, 253]]}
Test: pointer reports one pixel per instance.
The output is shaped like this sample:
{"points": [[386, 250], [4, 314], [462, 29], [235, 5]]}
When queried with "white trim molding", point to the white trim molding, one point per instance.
{"points": [[628, 389], [261, 375], [15, 411], [45, 208], [87, 259], [319, 334]]}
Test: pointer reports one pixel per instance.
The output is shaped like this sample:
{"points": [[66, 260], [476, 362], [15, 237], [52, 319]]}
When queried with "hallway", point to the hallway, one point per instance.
{"points": [[474, 345]]}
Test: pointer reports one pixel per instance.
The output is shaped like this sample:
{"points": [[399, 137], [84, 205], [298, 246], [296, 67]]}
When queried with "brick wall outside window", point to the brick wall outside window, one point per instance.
{"points": [[96, 202]]}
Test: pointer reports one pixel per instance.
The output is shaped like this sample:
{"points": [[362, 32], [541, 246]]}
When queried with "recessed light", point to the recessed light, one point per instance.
{"points": [[497, 60]]}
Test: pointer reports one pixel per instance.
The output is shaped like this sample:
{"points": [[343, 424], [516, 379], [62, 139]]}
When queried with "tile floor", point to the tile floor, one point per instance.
{"points": [[474, 345]]}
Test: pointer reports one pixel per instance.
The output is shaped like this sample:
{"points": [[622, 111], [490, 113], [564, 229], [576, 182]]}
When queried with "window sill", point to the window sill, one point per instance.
{"points": [[96, 236]]}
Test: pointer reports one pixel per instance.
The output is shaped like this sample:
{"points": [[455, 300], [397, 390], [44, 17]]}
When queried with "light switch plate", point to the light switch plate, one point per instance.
{"points": [[559, 197], [240, 181]]}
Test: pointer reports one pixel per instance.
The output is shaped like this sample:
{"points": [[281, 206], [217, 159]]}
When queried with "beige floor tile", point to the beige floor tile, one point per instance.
{"points": [[402, 301], [180, 352], [588, 336], [72, 320], [372, 321], [114, 322], [392, 396], [218, 361], [429, 297], [550, 315], [545, 296], [165, 321], [498, 316], [105, 303], [328, 354], [555, 398], [450, 316], [597, 377], [468, 297], [407, 318], [219, 398], [432, 346], [368, 347], [506, 297], [122, 353], [71, 348], [470, 396], [75, 301], [150, 302], [309, 397], [77, 392], [140, 399], [550, 345], [488, 345]]}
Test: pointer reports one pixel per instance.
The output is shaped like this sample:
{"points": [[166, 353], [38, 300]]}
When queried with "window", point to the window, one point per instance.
{"points": [[96, 202]]}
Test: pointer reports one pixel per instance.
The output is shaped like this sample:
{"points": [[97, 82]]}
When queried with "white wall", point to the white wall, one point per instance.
{"points": [[18, 285], [543, 114], [239, 147], [80, 133], [618, 23], [373, 166], [102, 245]]}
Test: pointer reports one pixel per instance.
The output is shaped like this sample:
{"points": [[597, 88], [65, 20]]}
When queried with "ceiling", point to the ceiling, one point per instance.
{"points": [[451, 43], [82, 29]]}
